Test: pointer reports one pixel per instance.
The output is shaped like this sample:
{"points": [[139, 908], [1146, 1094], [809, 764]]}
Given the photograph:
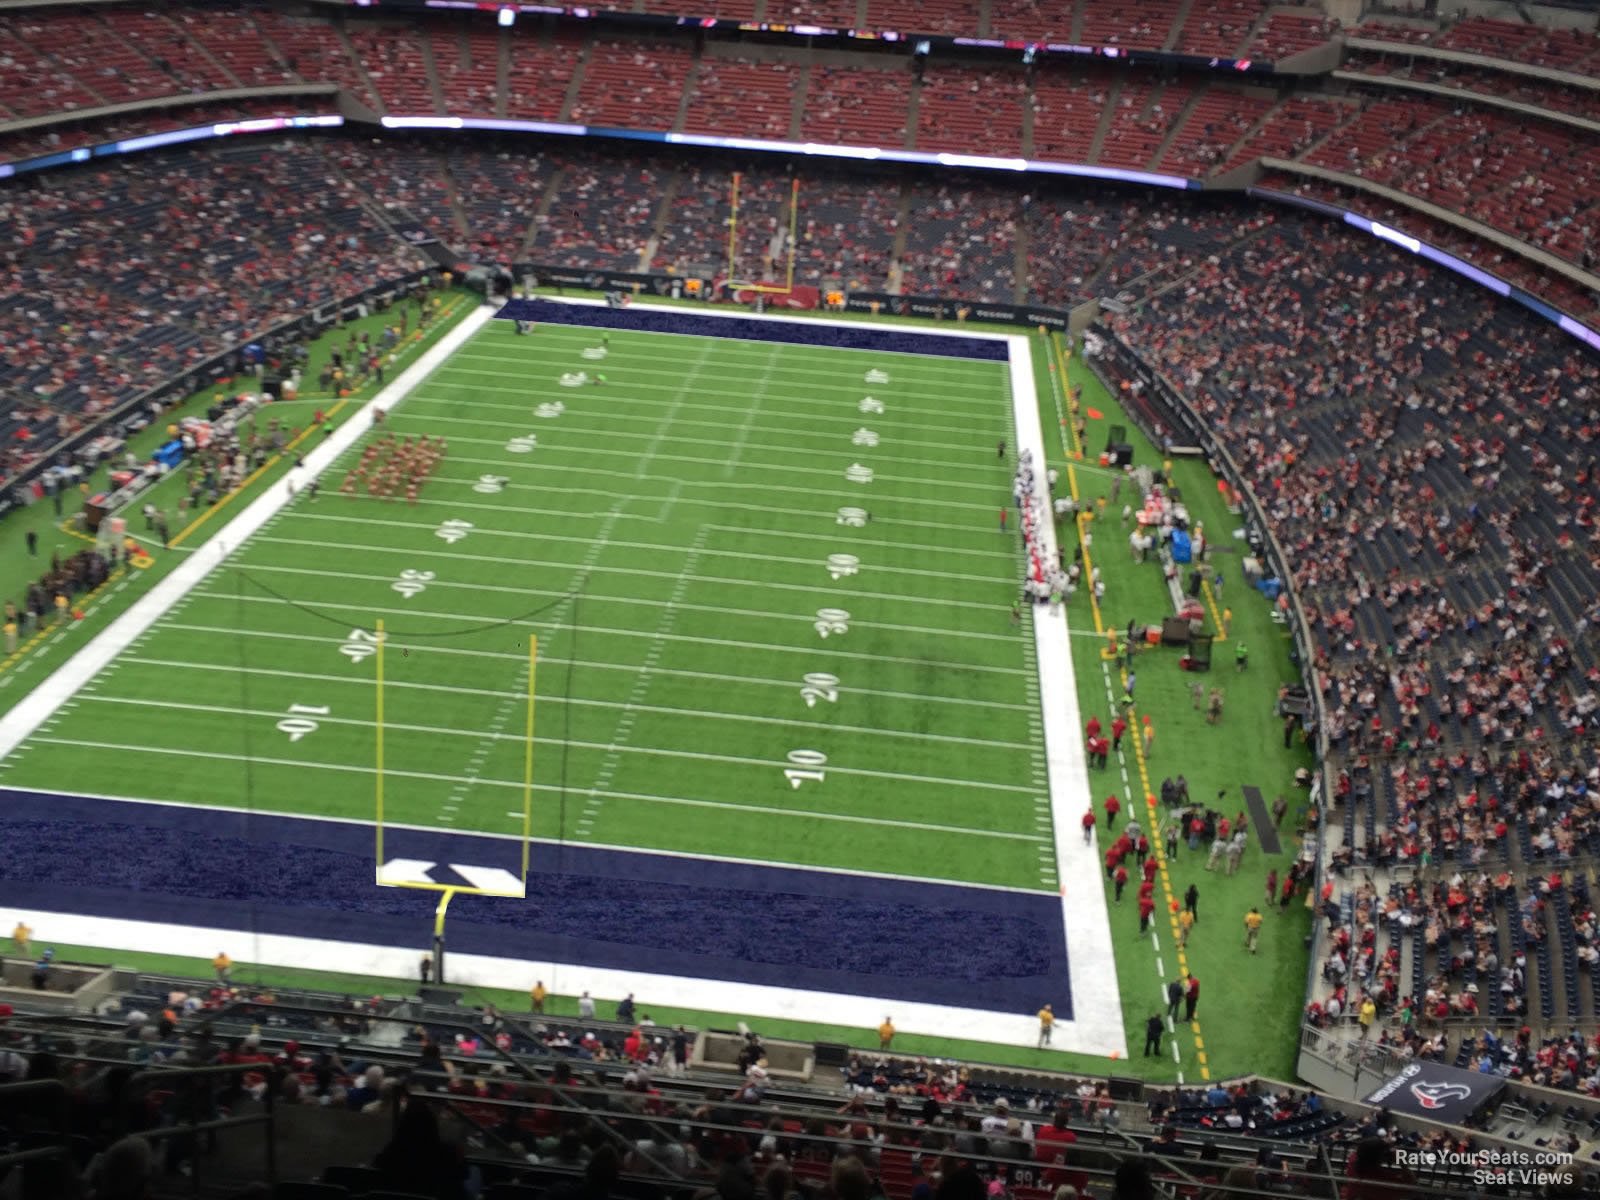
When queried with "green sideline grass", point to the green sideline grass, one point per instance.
{"points": [[1248, 1016], [62, 534]]}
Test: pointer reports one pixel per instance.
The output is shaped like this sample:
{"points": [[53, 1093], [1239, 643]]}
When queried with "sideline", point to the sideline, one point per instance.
{"points": [[1096, 997], [25, 718]]}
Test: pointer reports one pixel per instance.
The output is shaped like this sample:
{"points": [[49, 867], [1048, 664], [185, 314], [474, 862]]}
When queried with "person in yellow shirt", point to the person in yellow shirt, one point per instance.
{"points": [[1252, 929], [1369, 1013], [1047, 1018], [1185, 924], [222, 964], [21, 936], [1227, 622], [885, 1034], [536, 997]]}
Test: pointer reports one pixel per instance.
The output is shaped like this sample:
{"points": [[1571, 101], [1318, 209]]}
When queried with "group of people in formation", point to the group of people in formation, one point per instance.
{"points": [[394, 466]]}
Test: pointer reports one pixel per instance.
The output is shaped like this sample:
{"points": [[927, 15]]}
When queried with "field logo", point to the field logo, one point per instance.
{"points": [[595, 352], [489, 485], [855, 518], [876, 376], [1438, 1095], [840, 565], [864, 437], [549, 410], [453, 531], [832, 621], [574, 378], [870, 404], [856, 473]]}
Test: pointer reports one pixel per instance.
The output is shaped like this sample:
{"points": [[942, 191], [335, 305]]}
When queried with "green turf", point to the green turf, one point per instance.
{"points": [[668, 539]]}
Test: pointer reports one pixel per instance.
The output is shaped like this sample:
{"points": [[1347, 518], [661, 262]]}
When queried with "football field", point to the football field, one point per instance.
{"points": [[769, 589]]}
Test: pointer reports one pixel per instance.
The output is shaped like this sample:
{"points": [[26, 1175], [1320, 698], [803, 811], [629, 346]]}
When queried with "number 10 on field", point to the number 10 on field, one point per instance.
{"points": [[807, 767]]}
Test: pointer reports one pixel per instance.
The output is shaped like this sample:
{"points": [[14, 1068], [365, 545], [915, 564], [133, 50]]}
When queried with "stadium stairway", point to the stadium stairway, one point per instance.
{"points": [[580, 68], [436, 90], [797, 112], [1107, 112], [1178, 20], [373, 97], [1176, 128]]}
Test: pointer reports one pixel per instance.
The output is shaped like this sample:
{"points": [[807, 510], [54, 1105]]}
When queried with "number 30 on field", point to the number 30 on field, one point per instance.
{"points": [[807, 767]]}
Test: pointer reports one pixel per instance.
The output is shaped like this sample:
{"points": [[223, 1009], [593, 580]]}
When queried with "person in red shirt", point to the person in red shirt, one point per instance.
{"points": [[1118, 728], [1052, 1147], [1112, 859], [1121, 879], [1113, 807], [1224, 829], [1149, 870], [1141, 849], [1088, 825], [1147, 907], [1191, 997], [1092, 730]]}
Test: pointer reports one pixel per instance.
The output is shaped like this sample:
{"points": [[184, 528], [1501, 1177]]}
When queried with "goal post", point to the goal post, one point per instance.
{"points": [[736, 285], [404, 874]]}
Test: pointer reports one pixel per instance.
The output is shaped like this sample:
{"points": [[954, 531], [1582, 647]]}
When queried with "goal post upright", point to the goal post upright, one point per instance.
{"points": [[527, 766], [733, 226], [378, 766], [794, 220]]}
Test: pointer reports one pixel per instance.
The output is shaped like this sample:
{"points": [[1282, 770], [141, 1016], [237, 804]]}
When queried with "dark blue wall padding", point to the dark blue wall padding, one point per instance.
{"points": [[650, 319]]}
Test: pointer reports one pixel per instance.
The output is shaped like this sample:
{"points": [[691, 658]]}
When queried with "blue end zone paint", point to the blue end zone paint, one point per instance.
{"points": [[647, 319], [933, 943]]}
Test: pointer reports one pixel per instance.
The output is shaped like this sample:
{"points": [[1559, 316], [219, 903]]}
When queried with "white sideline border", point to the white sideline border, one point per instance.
{"points": [[1096, 1027]]}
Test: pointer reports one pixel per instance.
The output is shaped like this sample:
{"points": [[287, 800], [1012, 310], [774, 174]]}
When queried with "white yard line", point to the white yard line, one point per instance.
{"points": [[517, 785], [365, 612], [174, 665], [412, 552], [614, 747], [789, 685], [610, 419], [761, 487], [981, 465], [790, 407], [761, 470], [542, 536], [636, 601]]}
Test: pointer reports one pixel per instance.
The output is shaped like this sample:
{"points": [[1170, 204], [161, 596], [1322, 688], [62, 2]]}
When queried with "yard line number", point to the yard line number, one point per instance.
{"points": [[807, 767], [299, 723], [412, 583], [360, 645]]}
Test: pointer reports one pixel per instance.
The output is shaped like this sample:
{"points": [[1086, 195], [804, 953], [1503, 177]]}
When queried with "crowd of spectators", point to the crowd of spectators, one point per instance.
{"points": [[123, 274], [474, 1097], [1426, 462]]}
